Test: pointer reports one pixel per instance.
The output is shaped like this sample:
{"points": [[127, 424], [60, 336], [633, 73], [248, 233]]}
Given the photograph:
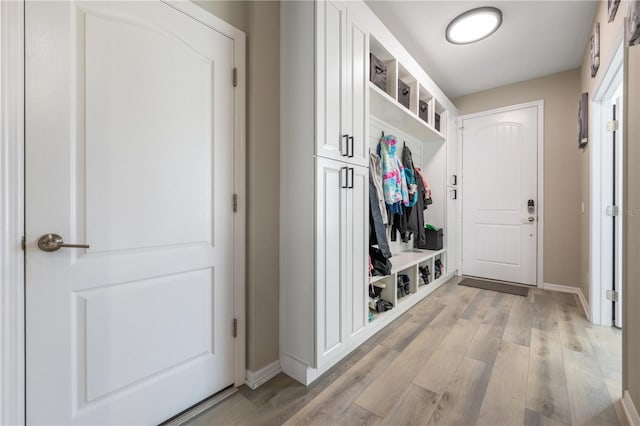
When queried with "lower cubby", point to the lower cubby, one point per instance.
{"points": [[406, 283], [439, 266], [425, 272], [383, 289]]}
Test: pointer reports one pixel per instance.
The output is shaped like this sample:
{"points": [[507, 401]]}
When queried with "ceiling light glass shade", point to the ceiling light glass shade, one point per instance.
{"points": [[474, 25]]}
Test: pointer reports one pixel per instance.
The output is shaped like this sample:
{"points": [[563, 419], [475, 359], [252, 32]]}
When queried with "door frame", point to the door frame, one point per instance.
{"points": [[12, 207], [599, 261], [539, 105]]}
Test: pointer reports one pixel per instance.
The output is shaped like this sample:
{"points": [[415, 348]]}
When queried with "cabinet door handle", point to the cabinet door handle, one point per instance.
{"points": [[350, 144], [351, 172], [346, 177], [346, 140]]}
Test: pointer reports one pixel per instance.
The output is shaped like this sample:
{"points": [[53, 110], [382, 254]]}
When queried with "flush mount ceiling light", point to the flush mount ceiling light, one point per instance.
{"points": [[474, 25]]}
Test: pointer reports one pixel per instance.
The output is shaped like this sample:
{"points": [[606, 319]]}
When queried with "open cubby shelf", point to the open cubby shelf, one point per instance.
{"points": [[385, 104], [407, 262]]}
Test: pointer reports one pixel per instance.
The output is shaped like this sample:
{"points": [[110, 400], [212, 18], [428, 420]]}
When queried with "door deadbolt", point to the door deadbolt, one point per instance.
{"points": [[53, 242], [531, 206]]}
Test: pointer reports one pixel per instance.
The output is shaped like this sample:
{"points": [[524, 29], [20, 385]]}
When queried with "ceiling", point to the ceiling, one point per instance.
{"points": [[537, 38]]}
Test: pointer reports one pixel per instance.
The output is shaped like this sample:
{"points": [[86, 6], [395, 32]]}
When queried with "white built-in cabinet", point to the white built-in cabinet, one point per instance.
{"points": [[328, 107], [324, 186]]}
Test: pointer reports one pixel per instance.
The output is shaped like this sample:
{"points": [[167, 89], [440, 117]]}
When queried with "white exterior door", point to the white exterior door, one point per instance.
{"points": [[499, 178], [129, 149]]}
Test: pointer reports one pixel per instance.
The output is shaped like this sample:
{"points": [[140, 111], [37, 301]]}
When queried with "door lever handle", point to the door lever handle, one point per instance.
{"points": [[53, 242]]}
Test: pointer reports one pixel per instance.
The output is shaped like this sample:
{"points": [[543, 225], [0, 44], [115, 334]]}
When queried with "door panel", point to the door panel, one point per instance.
{"points": [[117, 350], [357, 254], [500, 176], [177, 89], [129, 149], [330, 77], [358, 90], [331, 234]]}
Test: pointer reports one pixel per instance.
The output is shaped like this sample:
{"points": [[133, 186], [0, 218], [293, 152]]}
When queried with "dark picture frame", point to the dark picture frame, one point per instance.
{"points": [[595, 50], [633, 23], [583, 120], [612, 7]]}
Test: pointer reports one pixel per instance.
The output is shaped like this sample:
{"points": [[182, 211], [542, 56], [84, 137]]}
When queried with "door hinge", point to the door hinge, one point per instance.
{"points": [[613, 211], [612, 126], [23, 243], [612, 295], [235, 203], [235, 327], [235, 77]]}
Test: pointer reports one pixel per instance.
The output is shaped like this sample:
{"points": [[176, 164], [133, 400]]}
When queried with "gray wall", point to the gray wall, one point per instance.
{"points": [[562, 162], [260, 20]]}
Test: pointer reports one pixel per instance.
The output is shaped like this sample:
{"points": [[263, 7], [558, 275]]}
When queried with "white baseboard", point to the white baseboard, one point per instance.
{"points": [[630, 409], [257, 378], [573, 290]]}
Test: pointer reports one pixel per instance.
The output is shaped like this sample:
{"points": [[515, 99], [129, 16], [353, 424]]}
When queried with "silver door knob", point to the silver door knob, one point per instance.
{"points": [[53, 242], [531, 219]]}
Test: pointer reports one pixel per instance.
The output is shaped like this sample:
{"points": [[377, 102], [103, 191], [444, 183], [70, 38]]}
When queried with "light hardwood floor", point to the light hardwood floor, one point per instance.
{"points": [[462, 356]]}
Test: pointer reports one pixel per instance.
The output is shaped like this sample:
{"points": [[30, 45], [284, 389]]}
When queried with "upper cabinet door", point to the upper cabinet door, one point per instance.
{"points": [[341, 84], [356, 89], [330, 75]]}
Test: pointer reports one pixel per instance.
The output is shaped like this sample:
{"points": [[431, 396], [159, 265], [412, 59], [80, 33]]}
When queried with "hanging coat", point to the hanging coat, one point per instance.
{"points": [[375, 176], [394, 185], [377, 229], [415, 215], [427, 194]]}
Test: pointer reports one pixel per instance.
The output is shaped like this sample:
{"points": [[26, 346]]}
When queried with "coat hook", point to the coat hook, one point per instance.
{"points": [[383, 133]]}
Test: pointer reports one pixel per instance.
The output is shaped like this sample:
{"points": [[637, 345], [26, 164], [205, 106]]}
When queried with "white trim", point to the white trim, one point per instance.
{"points": [[572, 290], [239, 53], [257, 378], [539, 104], [12, 356], [629, 409], [599, 261]]}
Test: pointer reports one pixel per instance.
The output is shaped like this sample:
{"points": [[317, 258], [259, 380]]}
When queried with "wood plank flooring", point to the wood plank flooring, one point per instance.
{"points": [[462, 356]]}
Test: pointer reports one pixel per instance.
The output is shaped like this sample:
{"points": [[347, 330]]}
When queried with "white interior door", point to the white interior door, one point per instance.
{"points": [[129, 138], [612, 188], [500, 177]]}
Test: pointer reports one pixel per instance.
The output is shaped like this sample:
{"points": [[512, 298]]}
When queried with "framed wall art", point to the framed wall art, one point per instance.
{"points": [[612, 7], [633, 25], [595, 50], [583, 120]]}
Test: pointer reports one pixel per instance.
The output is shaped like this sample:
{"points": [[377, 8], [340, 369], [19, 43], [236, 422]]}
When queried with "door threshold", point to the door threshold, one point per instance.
{"points": [[501, 281], [200, 407]]}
